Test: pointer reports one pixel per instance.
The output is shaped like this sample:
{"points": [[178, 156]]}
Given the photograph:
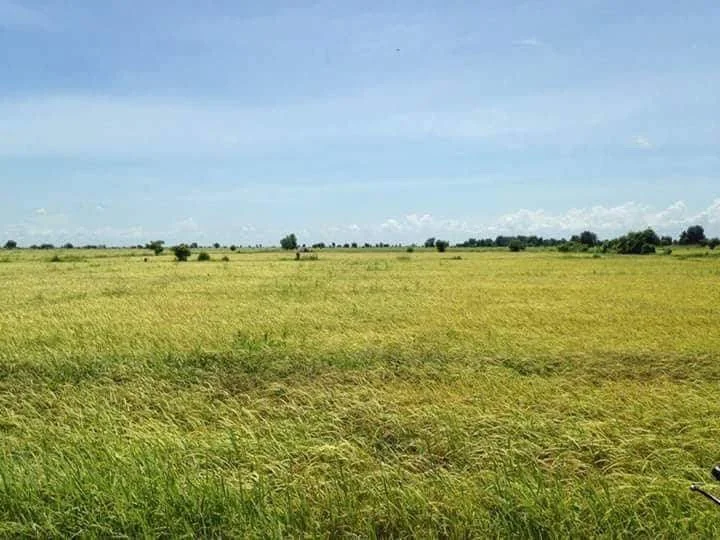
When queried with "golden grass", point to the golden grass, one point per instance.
{"points": [[364, 393]]}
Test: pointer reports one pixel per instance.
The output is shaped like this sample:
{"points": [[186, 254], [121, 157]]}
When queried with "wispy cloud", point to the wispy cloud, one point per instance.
{"points": [[642, 142]]}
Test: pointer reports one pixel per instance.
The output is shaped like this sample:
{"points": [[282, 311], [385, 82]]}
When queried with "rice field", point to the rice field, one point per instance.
{"points": [[363, 394]]}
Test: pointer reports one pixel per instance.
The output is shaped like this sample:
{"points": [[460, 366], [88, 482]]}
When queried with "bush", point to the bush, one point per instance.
{"points": [[225, 259], [667, 251], [713, 243], [182, 252], [203, 256], [233, 248], [647, 249], [516, 245], [441, 245], [56, 259], [410, 249]]}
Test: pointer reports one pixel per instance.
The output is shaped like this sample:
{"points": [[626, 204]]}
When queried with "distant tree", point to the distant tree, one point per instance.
{"points": [[430, 242], [637, 242], [233, 248], [353, 245], [516, 245], [10, 244], [182, 252], [441, 245], [47, 246], [319, 245], [693, 235], [203, 256], [666, 240], [67, 246], [289, 242], [156, 246], [588, 238], [713, 242], [216, 245], [194, 245]]}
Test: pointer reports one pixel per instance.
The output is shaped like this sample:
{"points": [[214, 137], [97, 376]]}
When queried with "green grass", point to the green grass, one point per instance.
{"points": [[367, 393]]}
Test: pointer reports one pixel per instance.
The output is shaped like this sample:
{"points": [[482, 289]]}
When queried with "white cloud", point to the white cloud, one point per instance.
{"points": [[642, 142], [40, 212], [605, 220]]}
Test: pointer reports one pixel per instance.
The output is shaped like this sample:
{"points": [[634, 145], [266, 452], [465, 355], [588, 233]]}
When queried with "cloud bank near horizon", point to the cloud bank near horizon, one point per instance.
{"points": [[42, 225]]}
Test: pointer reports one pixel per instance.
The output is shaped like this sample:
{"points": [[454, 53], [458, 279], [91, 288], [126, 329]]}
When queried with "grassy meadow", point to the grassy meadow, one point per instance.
{"points": [[363, 394]]}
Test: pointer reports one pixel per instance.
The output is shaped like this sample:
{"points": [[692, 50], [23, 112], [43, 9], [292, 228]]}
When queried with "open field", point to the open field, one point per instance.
{"points": [[365, 393]]}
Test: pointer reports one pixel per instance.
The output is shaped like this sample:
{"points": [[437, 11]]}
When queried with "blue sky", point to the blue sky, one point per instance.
{"points": [[236, 122]]}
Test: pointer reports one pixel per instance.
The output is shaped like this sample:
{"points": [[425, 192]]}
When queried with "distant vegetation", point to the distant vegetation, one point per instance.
{"points": [[642, 242], [182, 252]]}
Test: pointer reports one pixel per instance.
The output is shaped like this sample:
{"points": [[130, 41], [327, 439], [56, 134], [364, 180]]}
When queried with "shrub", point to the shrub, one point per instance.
{"points": [[441, 245], [667, 251], [516, 245], [713, 243], [410, 249], [647, 249], [216, 245], [56, 259], [233, 248], [182, 252], [225, 259], [203, 256]]}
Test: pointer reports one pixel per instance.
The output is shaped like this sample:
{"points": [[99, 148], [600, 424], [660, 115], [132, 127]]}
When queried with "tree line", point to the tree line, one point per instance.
{"points": [[633, 242]]}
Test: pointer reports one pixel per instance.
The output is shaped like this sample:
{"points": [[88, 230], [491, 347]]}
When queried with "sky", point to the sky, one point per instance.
{"points": [[237, 122]]}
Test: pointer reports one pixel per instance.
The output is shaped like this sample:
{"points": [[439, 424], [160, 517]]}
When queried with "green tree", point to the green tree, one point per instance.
{"points": [[430, 242], [156, 246], [637, 242], [588, 238], [182, 252], [516, 245], [10, 244], [289, 242], [693, 235], [441, 245]]}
